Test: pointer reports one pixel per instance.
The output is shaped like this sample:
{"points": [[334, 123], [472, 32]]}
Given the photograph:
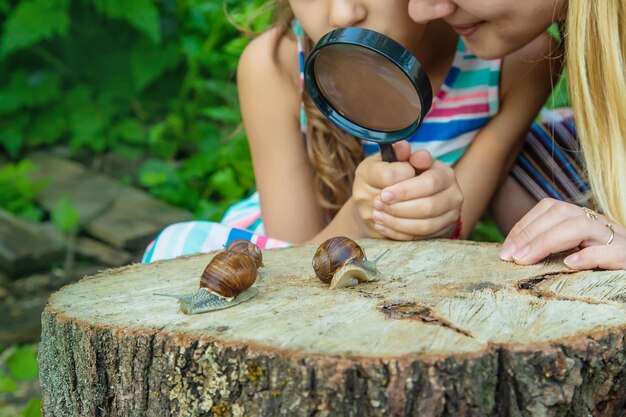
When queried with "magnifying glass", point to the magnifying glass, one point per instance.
{"points": [[368, 85]]}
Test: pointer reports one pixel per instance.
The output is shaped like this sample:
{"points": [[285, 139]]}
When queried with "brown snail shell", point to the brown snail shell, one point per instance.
{"points": [[333, 254], [247, 247], [229, 274], [226, 281]]}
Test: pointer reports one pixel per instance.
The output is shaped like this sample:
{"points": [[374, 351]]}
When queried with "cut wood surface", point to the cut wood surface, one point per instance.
{"points": [[451, 330]]}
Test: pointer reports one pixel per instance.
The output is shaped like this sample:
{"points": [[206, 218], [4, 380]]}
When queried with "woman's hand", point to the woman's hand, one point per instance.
{"points": [[554, 226], [396, 203]]}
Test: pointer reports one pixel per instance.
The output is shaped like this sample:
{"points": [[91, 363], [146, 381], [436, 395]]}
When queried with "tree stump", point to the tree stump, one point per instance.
{"points": [[451, 330]]}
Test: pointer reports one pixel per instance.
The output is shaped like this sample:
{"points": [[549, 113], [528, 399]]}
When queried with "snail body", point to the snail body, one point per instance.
{"points": [[225, 282], [341, 262]]}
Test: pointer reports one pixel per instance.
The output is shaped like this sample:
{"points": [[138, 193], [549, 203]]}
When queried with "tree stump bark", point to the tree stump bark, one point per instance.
{"points": [[450, 331]]}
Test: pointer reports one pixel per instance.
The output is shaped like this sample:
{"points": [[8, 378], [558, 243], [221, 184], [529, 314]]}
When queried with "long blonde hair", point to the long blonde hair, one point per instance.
{"points": [[333, 154], [596, 54]]}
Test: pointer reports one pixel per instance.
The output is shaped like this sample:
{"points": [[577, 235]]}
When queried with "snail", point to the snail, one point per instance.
{"points": [[245, 246], [341, 262], [225, 282]]}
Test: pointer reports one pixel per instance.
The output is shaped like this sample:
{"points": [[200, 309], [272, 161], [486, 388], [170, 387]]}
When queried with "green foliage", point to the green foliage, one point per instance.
{"points": [[147, 79], [487, 231], [65, 216], [7, 384], [33, 408], [18, 191], [18, 373], [22, 363], [33, 21]]}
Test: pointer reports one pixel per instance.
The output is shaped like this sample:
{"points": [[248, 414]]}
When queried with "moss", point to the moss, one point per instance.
{"points": [[255, 372], [221, 409]]}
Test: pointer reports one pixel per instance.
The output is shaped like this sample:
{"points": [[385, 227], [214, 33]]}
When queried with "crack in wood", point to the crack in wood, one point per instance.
{"points": [[409, 310], [531, 286]]}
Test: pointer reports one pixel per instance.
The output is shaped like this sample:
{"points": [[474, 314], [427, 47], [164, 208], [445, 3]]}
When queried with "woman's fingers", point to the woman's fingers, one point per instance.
{"points": [[611, 256], [547, 214], [574, 232]]}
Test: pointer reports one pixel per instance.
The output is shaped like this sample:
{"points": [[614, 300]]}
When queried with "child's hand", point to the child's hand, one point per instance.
{"points": [[372, 176], [419, 207]]}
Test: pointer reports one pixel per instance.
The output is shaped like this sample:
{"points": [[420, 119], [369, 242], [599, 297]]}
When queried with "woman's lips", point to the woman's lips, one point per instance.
{"points": [[467, 30]]}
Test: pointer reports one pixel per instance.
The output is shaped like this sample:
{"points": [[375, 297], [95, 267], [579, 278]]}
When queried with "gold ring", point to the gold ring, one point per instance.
{"points": [[610, 227], [590, 213]]}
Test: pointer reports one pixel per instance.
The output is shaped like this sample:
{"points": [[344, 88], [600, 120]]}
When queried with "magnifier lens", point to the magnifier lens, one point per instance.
{"points": [[366, 88]]}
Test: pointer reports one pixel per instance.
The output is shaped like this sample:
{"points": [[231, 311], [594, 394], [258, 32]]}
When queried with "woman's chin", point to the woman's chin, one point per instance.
{"points": [[486, 48]]}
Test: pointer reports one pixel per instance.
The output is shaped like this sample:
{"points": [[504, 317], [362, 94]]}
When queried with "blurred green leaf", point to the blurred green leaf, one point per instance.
{"points": [[12, 140], [130, 131], [148, 61], [154, 173], [225, 182], [487, 231], [22, 363], [29, 90], [222, 114], [7, 384], [18, 191], [64, 215], [32, 21], [33, 408], [49, 126], [141, 14]]}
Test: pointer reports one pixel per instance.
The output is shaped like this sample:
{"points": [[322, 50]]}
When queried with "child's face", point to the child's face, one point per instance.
{"points": [[492, 28], [389, 17]]}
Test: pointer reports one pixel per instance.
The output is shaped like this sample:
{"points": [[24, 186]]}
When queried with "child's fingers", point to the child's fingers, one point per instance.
{"points": [[379, 174], [421, 160], [422, 208], [392, 234], [415, 227], [402, 150], [429, 183]]}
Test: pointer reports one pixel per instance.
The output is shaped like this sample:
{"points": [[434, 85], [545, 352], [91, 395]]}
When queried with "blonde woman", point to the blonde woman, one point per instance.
{"points": [[595, 51]]}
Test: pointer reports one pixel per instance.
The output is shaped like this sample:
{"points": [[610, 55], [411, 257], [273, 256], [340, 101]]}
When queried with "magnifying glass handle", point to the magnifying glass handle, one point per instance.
{"points": [[387, 152]]}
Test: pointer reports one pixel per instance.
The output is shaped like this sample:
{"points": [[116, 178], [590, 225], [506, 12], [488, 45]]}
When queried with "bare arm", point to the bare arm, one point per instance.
{"points": [[270, 102], [526, 81]]}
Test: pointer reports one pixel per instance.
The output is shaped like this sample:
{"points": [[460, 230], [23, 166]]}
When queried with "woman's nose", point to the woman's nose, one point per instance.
{"points": [[346, 13], [423, 11]]}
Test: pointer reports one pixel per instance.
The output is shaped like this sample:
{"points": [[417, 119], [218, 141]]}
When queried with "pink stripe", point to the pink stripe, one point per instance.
{"points": [[261, 241], [456, 111], [472, 96], [243, 223]]}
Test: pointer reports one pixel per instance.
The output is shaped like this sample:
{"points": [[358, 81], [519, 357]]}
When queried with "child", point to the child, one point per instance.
{"points": [[312, 180]]}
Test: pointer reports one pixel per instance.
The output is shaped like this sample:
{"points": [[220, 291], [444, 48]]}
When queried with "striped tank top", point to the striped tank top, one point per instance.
{"points": [[467, 99]]}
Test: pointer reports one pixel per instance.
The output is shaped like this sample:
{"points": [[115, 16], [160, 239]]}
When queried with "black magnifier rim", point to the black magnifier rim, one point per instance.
{"points": [[387, 48]]}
